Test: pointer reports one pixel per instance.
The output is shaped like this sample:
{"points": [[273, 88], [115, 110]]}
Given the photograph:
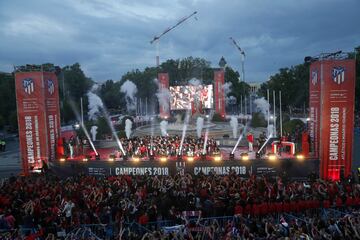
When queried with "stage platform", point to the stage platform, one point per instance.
{"points": [[106, 153], [297, 169]]}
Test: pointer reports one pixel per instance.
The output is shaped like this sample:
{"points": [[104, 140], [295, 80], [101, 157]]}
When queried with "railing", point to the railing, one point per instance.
{"points": [[111, 230]]}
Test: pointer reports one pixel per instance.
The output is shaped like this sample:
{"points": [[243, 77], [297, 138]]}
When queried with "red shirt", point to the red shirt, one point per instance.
{"points": [[238, 209], [143, 219], [264, 209], [294, 206], [272, 207], [286, 207], [326, 203], [256, 209], [339, 202], [250, 138], [247, 209], [349, 201], [279, 207]]}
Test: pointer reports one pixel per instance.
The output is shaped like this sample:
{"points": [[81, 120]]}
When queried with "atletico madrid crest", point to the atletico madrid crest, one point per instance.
{"points": [[51, 87], [338, 75], [314, 77], [28, 85]]}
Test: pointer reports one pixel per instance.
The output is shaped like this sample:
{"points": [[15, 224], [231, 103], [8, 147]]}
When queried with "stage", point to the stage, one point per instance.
{"points": [[171, 165]]}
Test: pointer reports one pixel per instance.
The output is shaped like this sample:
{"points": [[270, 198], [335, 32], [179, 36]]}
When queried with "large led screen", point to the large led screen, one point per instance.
{"points": [[182, 97]]}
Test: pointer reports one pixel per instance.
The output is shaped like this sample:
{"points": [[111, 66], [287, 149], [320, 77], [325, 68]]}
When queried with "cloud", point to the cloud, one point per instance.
{"points": [[109, 38]]}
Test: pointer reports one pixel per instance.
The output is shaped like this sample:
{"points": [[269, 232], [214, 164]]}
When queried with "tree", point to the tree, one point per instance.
{"points": [[294, 86], [111, 96], [8, 100], [74, 87], [76, 83], [182, 70], [238, 88]]}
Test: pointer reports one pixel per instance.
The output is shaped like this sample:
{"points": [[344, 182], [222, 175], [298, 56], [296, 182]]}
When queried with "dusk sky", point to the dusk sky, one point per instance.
{"points": [[110, 37]]}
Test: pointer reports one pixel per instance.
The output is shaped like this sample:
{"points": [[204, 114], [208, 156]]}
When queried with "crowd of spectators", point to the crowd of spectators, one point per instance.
{"points": [[169, 146], [54, 205], [147, 145]]}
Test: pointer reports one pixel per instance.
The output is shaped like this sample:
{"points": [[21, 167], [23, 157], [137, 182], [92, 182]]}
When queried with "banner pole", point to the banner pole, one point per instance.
{"points": [[281, 130], [274, 119]]}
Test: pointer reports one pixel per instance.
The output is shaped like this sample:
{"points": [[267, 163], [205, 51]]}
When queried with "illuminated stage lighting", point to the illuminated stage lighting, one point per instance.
{"points": [[97, 157], [217, 158], [111, 158], [62, 159], [136, 159], [151, 157], [163, 159], [245, 157], [272, 157], [232, 156], [300, 157], [190, 159], [85, 159]]}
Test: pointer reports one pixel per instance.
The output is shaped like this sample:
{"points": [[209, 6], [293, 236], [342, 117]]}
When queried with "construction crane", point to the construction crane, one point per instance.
{"points": [[156, 39], [242, 57]]}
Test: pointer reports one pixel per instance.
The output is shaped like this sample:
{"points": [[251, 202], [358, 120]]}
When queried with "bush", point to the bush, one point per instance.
{"points": [[103, 127], [121, 134], [218, 118], [292, 125], [2, 122], [12, 120], [258, 120]]}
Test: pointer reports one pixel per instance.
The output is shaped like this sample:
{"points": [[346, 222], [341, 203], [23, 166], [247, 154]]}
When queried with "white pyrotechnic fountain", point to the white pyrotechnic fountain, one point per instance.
{"points": [[93, 132], [128, 128], [163, 128], [199, 126], [234, 124]]}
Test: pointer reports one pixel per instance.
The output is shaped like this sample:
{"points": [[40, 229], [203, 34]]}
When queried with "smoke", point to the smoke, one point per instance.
{"points": [[163, 96], [194, 82], [163, 128], [262, 105], [227, 88], [130, 89], [234, 124], [128, 127], [94, 87], [93, 132], [199, 126], [230, 100], [95, 104]]}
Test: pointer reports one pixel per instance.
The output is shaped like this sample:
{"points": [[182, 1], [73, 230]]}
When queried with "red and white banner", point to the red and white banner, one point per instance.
{"points": [[315, 107], [38, 117], [219, 77], [51, 92], [164, 95], [31, 119], [337, 117]]}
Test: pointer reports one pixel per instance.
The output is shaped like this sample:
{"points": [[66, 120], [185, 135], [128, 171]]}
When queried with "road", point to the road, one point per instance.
{"points": [[10, 159]]}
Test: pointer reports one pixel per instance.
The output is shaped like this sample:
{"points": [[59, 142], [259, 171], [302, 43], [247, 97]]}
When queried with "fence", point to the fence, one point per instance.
{"points": [[109, 231]]}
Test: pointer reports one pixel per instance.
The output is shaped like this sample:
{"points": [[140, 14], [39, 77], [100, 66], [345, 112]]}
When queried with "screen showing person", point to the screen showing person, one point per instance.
{"points": [[183, 96]]}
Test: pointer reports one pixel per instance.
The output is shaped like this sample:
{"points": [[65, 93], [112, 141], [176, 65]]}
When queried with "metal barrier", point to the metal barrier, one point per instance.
{"points": [[332, 213], [112, 230], [82, 233]]}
